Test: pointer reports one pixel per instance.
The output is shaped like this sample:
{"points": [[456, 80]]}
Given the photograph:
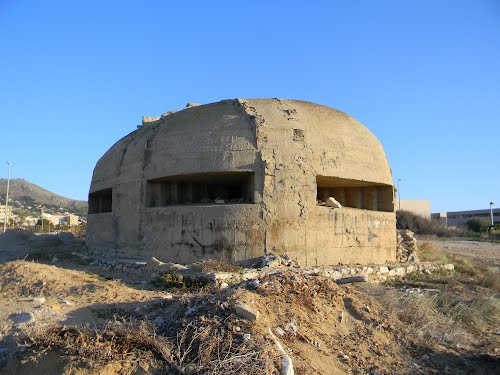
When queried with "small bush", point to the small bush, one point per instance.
{"points": [[131, 342], [213, 265], [477, 225], [494, 231], [202, 346], [178, 281]]}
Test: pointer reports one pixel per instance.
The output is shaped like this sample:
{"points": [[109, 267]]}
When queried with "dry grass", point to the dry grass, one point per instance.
{"points": [[463, 310], [209, 346], [201, 346], [425, 322], [213, 265], [428, 252], [467, 270], [62, 253], [132, 342], [420, 225]]}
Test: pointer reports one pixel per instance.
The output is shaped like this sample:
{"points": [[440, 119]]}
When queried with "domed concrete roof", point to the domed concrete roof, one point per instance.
{"points": [[345, 143]]}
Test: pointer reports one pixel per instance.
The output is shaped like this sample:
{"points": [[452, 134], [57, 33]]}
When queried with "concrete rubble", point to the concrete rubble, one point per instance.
{"points": [[268, 265], [332, 202], [407, 246], [271, 264], [246, 312]]}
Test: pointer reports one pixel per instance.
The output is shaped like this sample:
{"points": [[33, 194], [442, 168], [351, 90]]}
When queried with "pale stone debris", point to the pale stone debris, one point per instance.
{"points": [[246, 311], [332, 202]]}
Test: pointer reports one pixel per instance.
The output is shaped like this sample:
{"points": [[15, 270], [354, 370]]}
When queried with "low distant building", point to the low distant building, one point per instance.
{"points": [[440, 217], [461, 217], [66, 219], [419, 207], [70, 219], [2, 213]]}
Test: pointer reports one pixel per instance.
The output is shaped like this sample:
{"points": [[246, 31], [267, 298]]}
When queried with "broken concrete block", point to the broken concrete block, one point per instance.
{"points": [[250, 275], [336, 274], [221, 276], [39, 300], [154, 262], [368, 270], [383, 269], [280, 331], [332, 202], [271, 261], [177, 267], [147, 119], [292, 328], [246, 312], [400, 271], [410, 268]]}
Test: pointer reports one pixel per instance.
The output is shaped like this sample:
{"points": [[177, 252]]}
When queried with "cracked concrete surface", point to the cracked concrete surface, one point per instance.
{"points": [[285, 145]]}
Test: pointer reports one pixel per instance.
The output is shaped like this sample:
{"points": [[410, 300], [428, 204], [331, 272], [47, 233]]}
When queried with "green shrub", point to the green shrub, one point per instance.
{"points": [[477, 225]]}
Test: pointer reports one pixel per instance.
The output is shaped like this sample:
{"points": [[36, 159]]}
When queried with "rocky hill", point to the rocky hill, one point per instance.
{"points": [[27, 198]]}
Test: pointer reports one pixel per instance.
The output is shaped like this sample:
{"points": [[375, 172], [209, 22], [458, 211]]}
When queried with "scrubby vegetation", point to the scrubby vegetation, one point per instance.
{"points": [[208, 346], [456, 309], [477, 225], [420, 225]]}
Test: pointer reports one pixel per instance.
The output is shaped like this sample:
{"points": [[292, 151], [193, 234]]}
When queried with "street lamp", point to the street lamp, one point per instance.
{"points": [[399, 195], [491, 212], [6, 201]]}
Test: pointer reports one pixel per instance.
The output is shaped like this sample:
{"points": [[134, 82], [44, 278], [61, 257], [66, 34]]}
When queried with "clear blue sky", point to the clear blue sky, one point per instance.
{"points": [[423, 76]]}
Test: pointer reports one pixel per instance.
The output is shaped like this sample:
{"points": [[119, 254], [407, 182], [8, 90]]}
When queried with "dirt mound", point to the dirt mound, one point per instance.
{"points": [[13, 236], [12, 239], [27, 279], [130, 318], [16, 245], [328, 328]]}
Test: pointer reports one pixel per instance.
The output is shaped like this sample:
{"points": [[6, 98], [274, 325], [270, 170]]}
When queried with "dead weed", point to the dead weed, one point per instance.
{"points": [[132, 342], [201, 346], [213, 265]]}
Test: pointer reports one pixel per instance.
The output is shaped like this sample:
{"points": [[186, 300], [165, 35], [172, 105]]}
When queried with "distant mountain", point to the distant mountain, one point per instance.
{"points": [[27, 199]]}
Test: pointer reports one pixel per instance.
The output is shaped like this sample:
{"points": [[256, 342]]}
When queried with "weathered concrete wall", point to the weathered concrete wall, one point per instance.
{"points": [[299, 141], [286, 144], [190, 233]]}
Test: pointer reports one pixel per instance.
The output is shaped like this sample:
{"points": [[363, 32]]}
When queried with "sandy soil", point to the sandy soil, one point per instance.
{"points": [[327, 328]]}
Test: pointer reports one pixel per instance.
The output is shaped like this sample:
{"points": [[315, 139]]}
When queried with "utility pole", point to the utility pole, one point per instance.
{"points": [[6, 201], [491, 213]]}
